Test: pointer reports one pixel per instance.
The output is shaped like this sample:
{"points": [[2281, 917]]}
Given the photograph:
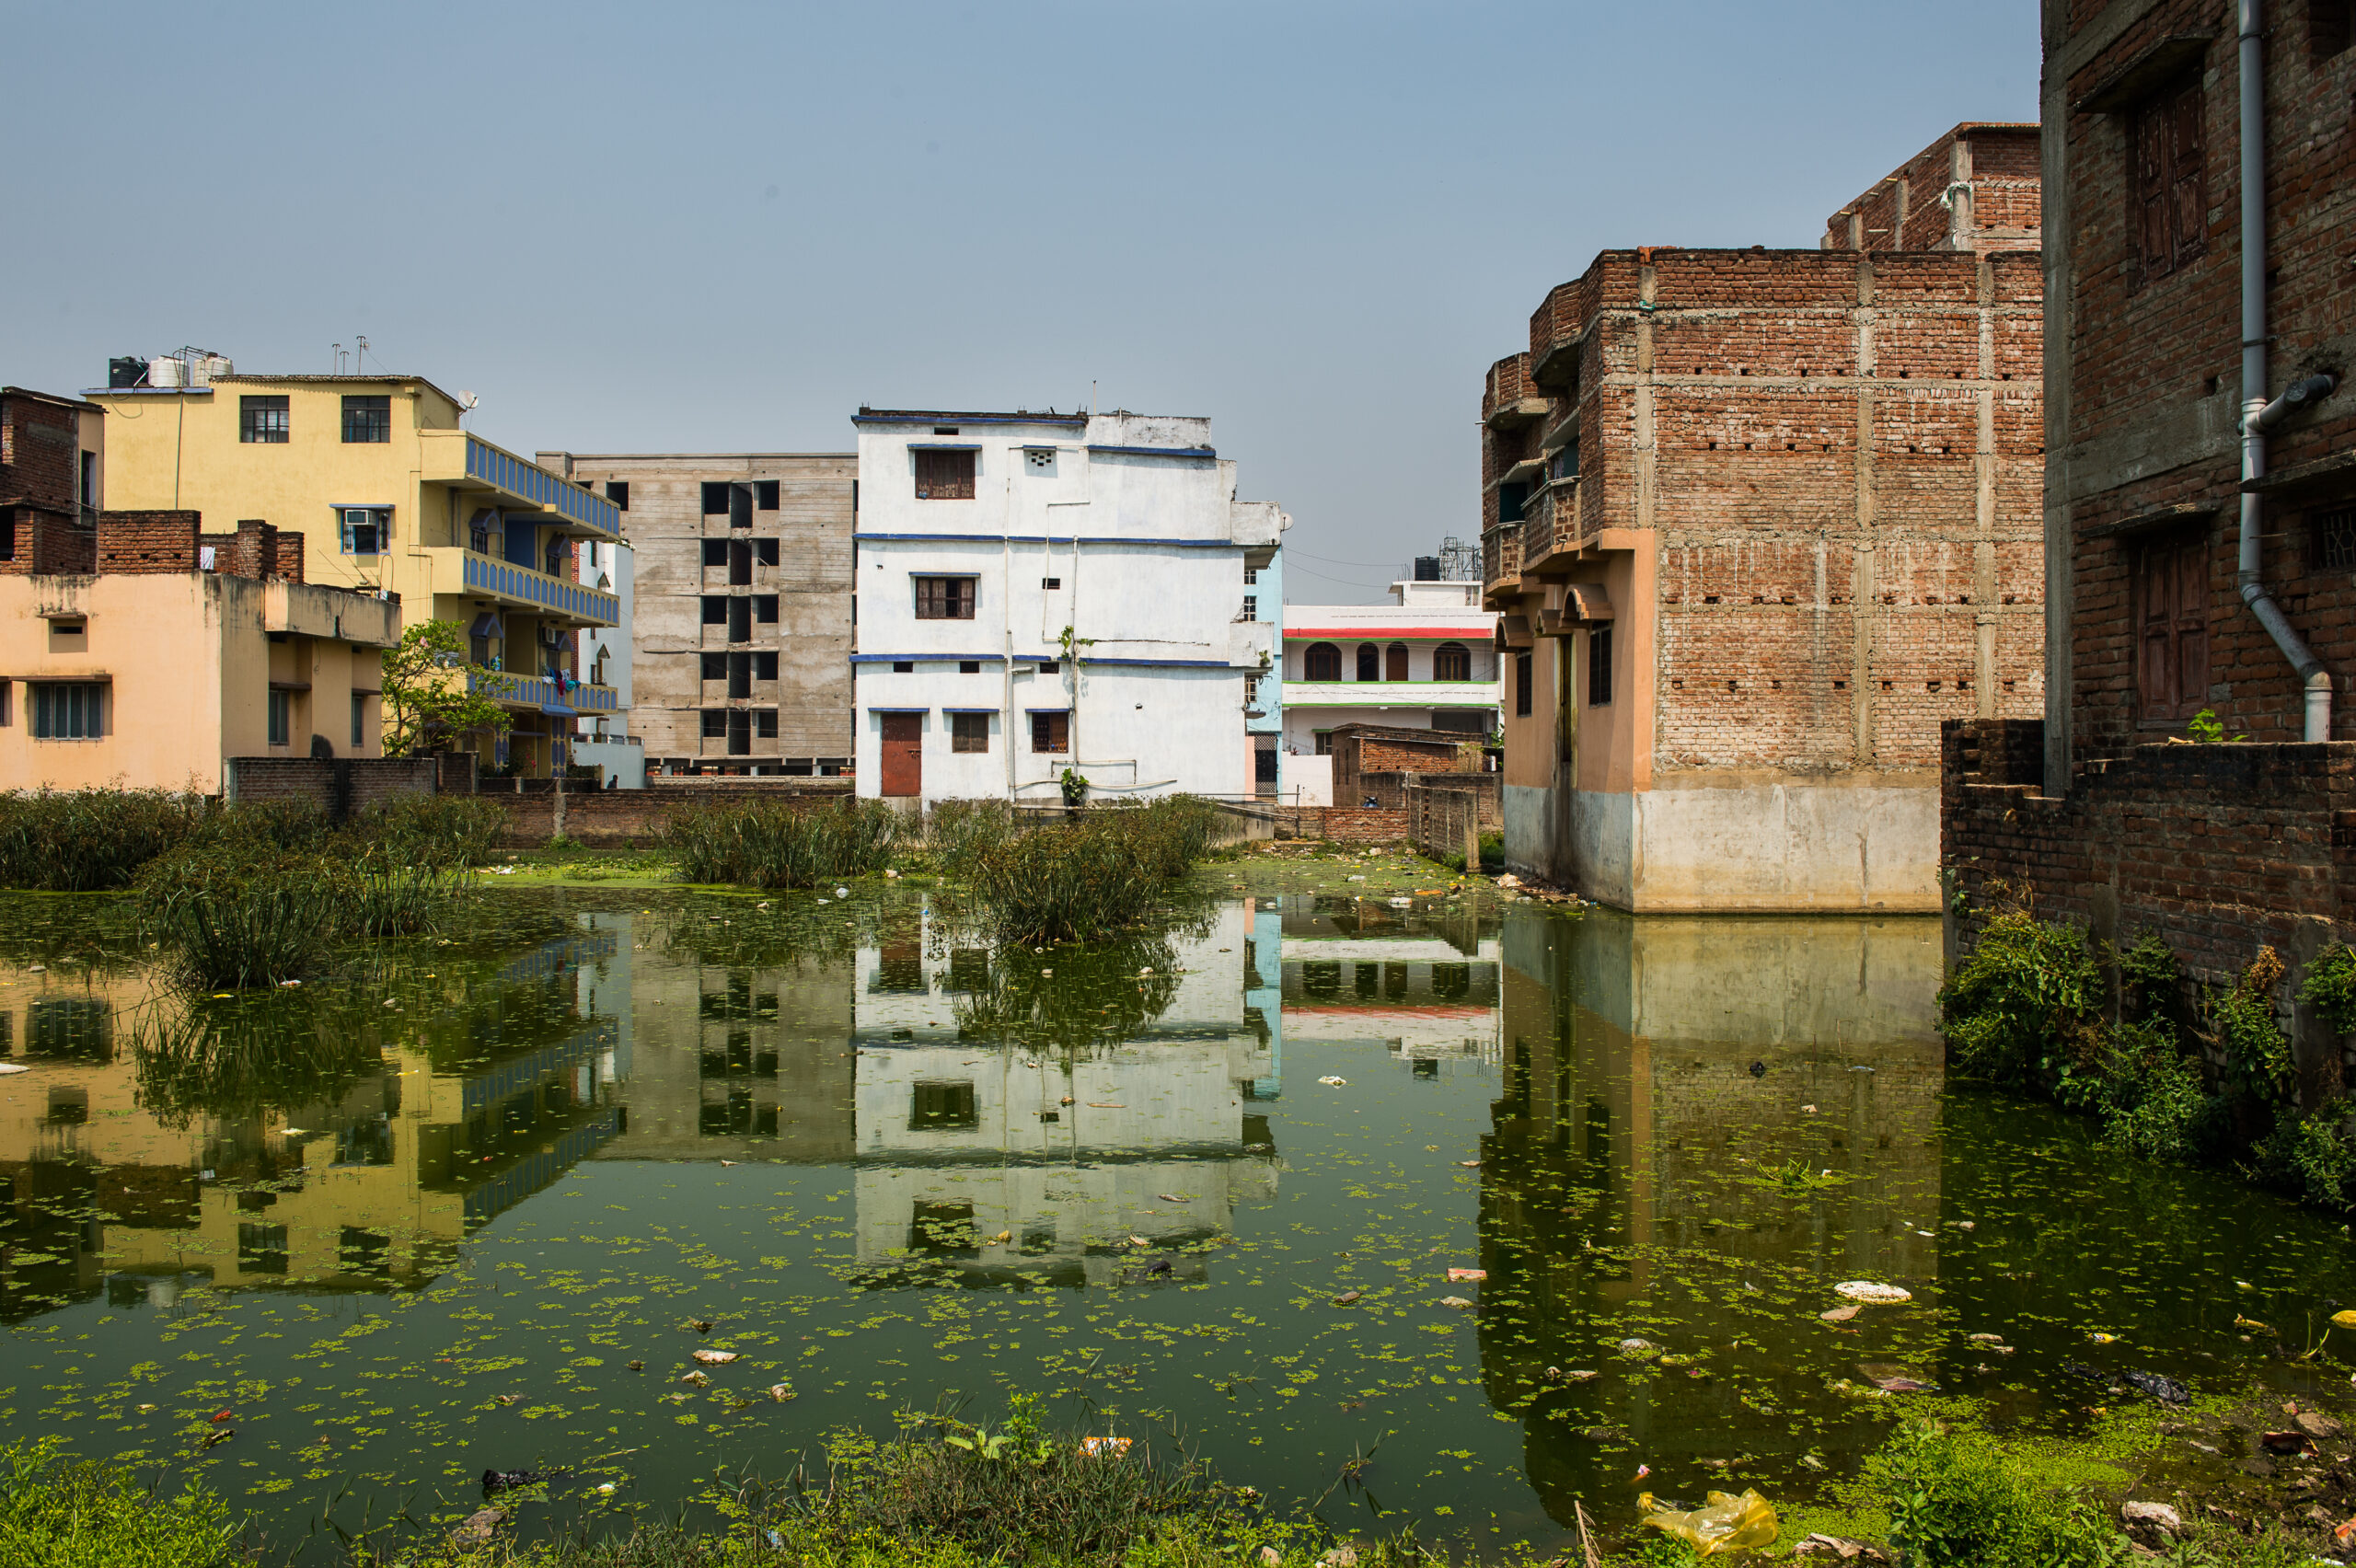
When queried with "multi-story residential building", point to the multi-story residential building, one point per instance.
{"points": [[389, 494], [1427, 660], [2200, 503], [53, 466], [740, 612], [1757, 521], [1045, 593]]}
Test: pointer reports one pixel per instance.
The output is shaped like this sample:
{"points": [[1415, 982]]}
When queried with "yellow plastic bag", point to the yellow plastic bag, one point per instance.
{"points": [[1747, 1523]]}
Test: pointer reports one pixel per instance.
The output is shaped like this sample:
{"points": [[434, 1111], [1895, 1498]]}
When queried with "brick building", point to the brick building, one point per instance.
{"points": [[1757, 521], [2193, 563], [740, 624], [52, 460]]}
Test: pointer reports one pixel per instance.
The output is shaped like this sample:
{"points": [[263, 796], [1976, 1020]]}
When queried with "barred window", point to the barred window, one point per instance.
{"points": [[969, 732], [62, 712], [944, 598], [944, 476], [2334, 548], [367, 421], [1051, 732], [1598, 667], [262, 421]]}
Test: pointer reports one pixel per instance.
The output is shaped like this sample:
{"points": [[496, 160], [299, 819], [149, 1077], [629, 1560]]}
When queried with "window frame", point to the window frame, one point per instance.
{"points": [[2168, 205], [1598, 666], [954, 471], [939, 596], [348, 519], [1314, 666], [279, 718], [1450, 653], [266, 432], [1524, 680], [368, 418], [969, 733], [87, 722], [359, 719], [1051, 732], [1370, 662]]}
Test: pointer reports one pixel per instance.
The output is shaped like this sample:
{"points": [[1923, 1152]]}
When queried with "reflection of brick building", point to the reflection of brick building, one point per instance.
{"points": [[1650, 1069], [1757, 521], [2205, 280]]}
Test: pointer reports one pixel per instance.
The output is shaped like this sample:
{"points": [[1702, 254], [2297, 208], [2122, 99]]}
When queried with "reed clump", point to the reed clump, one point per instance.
{"points": [[1092, 876], [776, 844], [89, 840]]}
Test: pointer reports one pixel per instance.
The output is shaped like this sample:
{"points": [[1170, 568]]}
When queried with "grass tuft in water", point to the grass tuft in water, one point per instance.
{"points": [[776, 844], [1093, 877]]}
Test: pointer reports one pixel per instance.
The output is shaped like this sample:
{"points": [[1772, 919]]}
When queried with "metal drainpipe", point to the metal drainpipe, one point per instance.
{"points": [[2256, 412]]}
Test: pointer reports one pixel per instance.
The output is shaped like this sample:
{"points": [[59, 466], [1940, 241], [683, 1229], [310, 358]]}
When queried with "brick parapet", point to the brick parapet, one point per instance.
{"points": [[147, 541]]}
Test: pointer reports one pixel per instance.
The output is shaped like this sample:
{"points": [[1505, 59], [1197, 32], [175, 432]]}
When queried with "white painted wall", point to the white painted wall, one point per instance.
{"points": [[1148, 551]]}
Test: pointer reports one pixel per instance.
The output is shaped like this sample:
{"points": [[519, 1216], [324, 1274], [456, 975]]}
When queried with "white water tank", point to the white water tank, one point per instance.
{"points": [[202, 371], [165, 371]]}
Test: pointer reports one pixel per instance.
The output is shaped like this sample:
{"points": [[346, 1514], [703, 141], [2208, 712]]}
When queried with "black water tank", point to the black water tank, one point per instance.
{"points": [[1428, 568], [126, 372]]}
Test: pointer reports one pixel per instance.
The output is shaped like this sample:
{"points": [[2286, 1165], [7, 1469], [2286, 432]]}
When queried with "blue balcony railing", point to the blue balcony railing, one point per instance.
{"points": [[485, 575], [537, 485], [548, 696]]}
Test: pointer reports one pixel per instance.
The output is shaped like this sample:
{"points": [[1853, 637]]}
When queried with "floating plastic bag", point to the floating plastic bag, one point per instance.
{"points": [[1723, 1524]]}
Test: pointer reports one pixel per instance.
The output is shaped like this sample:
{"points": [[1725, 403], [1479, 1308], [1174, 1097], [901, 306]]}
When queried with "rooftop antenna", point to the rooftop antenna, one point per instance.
{"points": [[1092, 399], [358, 354], [338, 359]]}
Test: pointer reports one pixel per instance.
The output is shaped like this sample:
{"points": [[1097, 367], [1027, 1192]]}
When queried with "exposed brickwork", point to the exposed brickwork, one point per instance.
{"points": [[257, 549], [1976, 188], [338, 785], [40, 446], [147, 541]]}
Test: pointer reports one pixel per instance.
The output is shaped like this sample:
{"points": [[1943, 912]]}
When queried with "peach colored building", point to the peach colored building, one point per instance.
{"points": [[141, 669]]}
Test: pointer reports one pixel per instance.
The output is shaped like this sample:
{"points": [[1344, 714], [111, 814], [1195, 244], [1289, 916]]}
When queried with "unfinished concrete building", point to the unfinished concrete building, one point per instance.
{"points": [[1756, 522], [740, 612]]}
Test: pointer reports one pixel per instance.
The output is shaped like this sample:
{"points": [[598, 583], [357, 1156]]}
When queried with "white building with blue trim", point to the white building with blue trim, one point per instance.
{"points": [[1039, 593]]}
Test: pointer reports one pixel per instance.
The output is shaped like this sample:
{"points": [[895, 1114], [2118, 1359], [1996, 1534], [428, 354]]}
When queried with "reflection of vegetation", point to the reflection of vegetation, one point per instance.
{"points": [[232, 1060], [1069, 999]]}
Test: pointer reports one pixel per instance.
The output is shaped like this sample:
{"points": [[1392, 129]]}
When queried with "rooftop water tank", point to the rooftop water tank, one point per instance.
{"points": [[167, 371], [1428, 568], [204, 368]]}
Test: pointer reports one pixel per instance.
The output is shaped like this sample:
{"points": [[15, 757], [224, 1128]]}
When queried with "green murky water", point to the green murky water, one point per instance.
{"points": [[343, 1249]]}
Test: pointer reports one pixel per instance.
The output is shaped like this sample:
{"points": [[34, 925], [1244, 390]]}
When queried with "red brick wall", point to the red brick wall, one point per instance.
{"points": [[355, 782], [146, 541], [257, 549], [40, 446], [618, 818], [45, 542], [2155, 374]]}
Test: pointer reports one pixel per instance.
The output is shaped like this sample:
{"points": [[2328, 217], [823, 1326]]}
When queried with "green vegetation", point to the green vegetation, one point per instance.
{"points": [[433, 694], [778, 844], [88, 840], [2172, 1076], [960, 832], [1962, 1499], [1088, 878], [60, 1514]]}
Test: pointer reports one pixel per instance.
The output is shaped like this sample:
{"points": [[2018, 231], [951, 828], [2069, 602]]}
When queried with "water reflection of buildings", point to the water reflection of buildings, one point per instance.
{"points": [[1651, 1068], [987, 1153], [1425, 985], [145, 1177]]}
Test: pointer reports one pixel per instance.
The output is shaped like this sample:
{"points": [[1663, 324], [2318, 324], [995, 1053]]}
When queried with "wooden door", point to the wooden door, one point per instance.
{"points": [[903, 753], [2170, 596]]}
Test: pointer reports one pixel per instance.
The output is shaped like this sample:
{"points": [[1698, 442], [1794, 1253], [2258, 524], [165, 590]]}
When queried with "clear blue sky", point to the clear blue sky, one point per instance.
{"points": [[714, 227]]}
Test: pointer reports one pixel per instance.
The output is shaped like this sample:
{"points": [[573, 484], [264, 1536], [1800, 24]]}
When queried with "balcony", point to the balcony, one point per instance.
{"points": [[1392, 694], [472, 574], [1550, 524], [1555, 330], [1508, 402], [467, 462], [538, 694], [1501, 557]]}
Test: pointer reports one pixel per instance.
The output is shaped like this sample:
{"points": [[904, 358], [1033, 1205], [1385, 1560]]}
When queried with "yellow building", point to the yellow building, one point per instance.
{"points": [[389, 493]]}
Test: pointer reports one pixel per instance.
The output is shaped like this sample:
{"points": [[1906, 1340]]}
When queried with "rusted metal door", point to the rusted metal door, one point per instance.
{"points": [[903, 753]]}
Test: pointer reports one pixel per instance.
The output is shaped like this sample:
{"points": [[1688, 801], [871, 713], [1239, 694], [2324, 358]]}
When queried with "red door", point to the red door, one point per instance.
{"points": [[904, 754]]}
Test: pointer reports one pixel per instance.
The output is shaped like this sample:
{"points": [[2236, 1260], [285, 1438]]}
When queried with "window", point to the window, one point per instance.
{"points": [[262, 421], [765, 723], [944, 476], [944, 598], [1451, 662], [969, 732], [765, 608], [1051, 583], [2332, 544], [1521, 686], [1039, 460], [969, 666], [1395, 661], [1251, 575], [367, 421], [1565, 464], [366, 530], [1322, 742], [765, 551], [715, 723], [715, 553], [715, 498], [1461, 721], [2170, 590], [281, 718], [1051, 732], [1323, 662], [904, 667], [1509, 500], [1251, 607], [359, 719], [2171, 180], [62, 712], [7, 532], [1370, 662], [559, 557], [1598, 667], [89, 481], [2329, 29], [618, 491], [715, 609], [765, 494], [740, 563], [740, 620], [715, 666], [765, 666]]}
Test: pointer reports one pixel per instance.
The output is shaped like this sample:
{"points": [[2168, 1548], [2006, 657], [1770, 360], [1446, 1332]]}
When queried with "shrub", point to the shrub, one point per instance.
{"points": [[2330, 987], [1093, 877], [776, 844], [1959, 1500], [2257, 1055], [2311, 1155], [2158, 1107], [89, 840], [432, 830], [2024, 1007], [234, 917], [59, 1513], [960, 832]]}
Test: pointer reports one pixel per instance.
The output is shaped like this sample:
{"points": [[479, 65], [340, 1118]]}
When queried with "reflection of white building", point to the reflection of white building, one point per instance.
{"points": [[1423, 997], [1002, 1160]]}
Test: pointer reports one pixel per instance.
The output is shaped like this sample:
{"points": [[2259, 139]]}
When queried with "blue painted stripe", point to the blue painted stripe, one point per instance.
{"points": [[919, 417], [931, 658]]}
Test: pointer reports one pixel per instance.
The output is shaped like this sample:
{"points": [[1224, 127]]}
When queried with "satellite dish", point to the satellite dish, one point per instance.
{"points": [[467, 399]]}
